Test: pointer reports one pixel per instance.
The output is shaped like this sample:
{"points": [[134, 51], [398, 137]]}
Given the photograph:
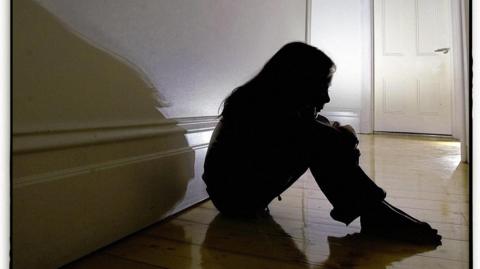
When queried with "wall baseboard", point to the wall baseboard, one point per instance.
{"points": [[67, 138], [80, 190], [344, 117]]}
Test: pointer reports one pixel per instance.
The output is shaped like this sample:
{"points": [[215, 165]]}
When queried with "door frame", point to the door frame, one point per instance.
{"points": [[460, 72], [460, 91]]}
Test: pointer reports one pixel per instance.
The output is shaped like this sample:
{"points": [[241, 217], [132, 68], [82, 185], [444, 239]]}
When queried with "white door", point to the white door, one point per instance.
{"points": [[413, 85]]}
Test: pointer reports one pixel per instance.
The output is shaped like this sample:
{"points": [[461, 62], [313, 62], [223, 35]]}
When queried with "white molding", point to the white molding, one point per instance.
{"points": [[308, 22], [466, 20], [367, 94], [340, 113], [344, 117], [87, 169], [459, 99], [115, 194], [60, 139]]}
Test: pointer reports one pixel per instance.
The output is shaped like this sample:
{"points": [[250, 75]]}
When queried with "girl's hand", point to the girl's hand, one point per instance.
{"points": [[348, 128]]}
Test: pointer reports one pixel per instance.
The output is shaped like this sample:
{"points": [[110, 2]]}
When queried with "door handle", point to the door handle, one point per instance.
{"points": [[444, 50]]}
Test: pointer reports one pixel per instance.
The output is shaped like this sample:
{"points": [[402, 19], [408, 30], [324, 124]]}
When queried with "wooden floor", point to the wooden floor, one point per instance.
{"points": [[422, 176]]}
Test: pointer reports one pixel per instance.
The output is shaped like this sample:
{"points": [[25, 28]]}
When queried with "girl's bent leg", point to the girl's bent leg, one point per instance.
{"points": [[347, 187], [353, 194]]}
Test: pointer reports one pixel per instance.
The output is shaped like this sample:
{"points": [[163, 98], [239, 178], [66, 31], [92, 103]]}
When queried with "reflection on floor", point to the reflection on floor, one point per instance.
{"points": [[422, 176]]}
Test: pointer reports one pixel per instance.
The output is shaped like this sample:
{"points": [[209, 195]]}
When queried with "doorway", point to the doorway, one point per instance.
{"points": [[345, 31], [413, 82]]}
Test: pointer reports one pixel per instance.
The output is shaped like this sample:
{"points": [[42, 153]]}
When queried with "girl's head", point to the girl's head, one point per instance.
{"points": [[296, 77]]}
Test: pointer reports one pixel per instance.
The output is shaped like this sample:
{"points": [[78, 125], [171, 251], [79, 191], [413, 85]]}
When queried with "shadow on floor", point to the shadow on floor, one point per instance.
{"points": [[264, 241], [362, 251]]}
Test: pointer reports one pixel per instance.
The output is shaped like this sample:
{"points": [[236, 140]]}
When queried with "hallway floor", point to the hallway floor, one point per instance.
{"points": [[422, 176]]}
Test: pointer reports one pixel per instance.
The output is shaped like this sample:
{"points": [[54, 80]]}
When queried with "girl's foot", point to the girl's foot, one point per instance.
{"points": [[387, 221]]}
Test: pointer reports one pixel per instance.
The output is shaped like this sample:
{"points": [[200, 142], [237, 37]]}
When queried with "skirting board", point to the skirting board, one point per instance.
{"points": [[344, 117], [74, 194]]}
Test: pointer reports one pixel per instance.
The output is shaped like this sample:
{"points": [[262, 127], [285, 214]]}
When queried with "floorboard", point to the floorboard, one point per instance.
{"points": [[422, 176]]}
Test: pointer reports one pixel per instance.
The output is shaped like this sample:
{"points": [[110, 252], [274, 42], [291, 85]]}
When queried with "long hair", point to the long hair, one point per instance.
{"points": [[288, 81]]}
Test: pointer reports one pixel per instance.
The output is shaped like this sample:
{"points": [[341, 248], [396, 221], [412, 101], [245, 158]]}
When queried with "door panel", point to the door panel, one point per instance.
{"points": [[428, 101], [394, 99], [412, 79], [395, 23]]}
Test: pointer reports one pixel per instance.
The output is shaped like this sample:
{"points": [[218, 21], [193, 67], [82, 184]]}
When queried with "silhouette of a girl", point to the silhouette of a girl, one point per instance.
{"points": [[269, 134]]}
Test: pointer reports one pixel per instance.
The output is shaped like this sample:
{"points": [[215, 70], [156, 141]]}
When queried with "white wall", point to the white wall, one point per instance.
{"points": [[461, 70], [112, 110], [190, 50], [342, 29]]}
